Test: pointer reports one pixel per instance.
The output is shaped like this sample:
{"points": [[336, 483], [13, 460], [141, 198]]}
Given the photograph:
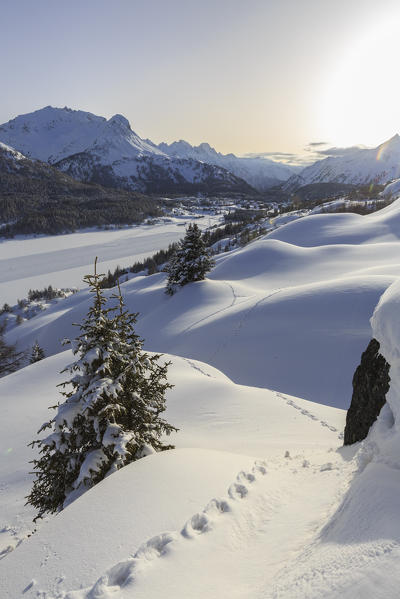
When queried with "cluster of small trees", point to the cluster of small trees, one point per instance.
{"points": [[150, 265], [47, 293]]}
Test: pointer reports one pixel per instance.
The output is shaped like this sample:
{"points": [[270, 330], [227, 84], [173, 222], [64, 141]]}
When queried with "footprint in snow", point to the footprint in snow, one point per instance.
{"points": [[156, 546], [124, 573], [237, 491]]}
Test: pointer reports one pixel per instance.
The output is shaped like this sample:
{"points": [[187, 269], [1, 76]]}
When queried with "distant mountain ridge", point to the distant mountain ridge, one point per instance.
{"points": [[94, 149], [261, 173], [357, 167]]}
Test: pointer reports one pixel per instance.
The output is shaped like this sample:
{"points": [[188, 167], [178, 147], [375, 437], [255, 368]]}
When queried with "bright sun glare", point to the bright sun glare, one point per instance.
{"points": [[360, 103]]}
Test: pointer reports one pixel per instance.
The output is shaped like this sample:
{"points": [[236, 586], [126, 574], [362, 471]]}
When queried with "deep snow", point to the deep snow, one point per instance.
{"points": [[297, 301], [259, 499], [214, 416]]}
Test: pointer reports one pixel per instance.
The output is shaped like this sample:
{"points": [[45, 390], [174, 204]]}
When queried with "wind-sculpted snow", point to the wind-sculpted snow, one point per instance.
{"points": [[321, 522], [271, 308], [327, 229]]}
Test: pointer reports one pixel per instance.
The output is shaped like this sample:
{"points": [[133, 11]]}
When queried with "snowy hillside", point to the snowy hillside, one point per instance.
{"points": [[223, 428], [392, 190], [361, 166], [92, 148], [259, 499], [258, 297], [10, 153]]}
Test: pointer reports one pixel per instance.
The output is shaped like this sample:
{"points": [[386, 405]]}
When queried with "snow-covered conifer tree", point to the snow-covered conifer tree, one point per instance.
{"points": [[10, 358], [190, 262], [111, 413], [37, 353]]}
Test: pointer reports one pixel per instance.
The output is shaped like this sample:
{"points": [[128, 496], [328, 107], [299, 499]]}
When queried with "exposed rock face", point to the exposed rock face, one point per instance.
{"points": [[370, 385]]}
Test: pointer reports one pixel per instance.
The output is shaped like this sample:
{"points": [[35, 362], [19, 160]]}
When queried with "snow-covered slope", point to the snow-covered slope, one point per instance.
{"points": [[357, 553], [261, 173], [10, 153], [272, 308], [94, 149], [392, 190], [377, 165], [259, 499], [382, 226], [223, 429]]}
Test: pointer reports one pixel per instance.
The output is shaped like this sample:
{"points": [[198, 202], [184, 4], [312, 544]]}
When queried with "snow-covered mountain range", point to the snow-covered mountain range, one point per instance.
{"points": [[358, 167], [94, 149], [261, 173]]}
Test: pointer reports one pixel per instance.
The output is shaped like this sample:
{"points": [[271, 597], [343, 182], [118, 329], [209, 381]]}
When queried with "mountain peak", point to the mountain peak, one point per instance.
{"points": [[120, 121], [393, 141]]}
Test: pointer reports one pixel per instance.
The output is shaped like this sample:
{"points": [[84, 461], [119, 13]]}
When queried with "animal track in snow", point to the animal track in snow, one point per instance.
{"points": [[237, 490], [239, 325], [290, 402], [156, 546], [234, 299], [12, 534], [125, 572], [193, 365]]}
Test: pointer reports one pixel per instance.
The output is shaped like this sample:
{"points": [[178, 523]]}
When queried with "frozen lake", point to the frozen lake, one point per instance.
{"points": [[63, 260]]}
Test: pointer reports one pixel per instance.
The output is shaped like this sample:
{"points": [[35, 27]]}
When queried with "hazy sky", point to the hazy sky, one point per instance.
{"points": [[246, 76]]}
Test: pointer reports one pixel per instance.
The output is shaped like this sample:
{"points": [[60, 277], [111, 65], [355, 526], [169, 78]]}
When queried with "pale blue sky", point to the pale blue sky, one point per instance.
{"points": [[246, 76]]}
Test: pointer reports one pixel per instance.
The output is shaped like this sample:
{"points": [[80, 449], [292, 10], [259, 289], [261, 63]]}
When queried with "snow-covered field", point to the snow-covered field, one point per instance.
{"points": [[259, 499]]}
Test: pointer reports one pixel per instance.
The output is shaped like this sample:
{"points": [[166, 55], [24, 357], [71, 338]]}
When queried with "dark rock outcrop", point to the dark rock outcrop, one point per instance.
{"points": [[370, 385]]}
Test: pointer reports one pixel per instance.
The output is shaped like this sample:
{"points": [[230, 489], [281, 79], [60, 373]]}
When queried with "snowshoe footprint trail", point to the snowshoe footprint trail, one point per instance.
{"points": [[124, 574], [270, 516]]}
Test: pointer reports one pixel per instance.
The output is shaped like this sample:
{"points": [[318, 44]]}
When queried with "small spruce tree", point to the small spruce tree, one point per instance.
{"points": [[111, 413], [10, 358], [37, 353], [190, 262]]}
